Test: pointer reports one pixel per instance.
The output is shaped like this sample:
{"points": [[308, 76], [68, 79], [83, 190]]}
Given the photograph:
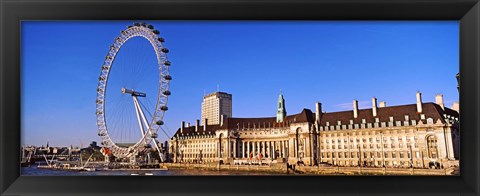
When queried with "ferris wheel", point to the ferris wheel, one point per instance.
{"points": [[132, 92]]}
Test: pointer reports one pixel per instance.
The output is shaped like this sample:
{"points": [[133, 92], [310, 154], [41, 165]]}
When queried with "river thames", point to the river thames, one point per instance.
{"points": [[34, 171]]}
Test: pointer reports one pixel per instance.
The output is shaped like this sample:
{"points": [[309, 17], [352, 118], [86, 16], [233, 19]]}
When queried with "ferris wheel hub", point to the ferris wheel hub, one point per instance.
{"points": [[133, 92]]}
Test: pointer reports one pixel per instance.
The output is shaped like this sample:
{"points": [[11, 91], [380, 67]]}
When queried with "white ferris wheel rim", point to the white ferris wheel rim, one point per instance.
{"points": [[147, 32]]}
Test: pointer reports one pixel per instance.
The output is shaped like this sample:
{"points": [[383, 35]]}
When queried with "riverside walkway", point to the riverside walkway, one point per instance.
{"points": [[318, 170]]}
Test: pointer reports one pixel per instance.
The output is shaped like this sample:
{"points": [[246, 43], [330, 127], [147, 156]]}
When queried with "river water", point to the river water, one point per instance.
{"points": [[34, 171]]}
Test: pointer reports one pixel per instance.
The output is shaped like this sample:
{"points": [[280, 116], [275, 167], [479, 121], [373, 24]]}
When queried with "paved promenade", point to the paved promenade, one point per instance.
{"points": [[315, 170]]}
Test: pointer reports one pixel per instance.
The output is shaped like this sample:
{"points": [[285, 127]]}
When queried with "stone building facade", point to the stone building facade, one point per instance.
{"points": [[414, 135]]}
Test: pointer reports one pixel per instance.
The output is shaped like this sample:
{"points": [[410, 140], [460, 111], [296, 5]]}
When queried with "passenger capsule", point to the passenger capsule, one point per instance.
{"points": [[161, 39], [168, 77], [165, 50], [154, 135], [101, 134], [164, 108], [167, 92], [150, 26], [159, 122], [129, 26], [167, 63], [156, 32], [144, 24]]}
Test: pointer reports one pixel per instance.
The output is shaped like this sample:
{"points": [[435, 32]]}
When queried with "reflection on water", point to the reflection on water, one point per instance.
{"points": [[34, 171]]}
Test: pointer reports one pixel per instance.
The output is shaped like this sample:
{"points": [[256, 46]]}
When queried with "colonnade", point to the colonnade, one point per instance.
{"points": [[269, 148]]}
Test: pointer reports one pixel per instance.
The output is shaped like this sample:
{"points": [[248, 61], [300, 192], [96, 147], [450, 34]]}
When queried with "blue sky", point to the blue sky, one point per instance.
{"points": [[330, 62]]}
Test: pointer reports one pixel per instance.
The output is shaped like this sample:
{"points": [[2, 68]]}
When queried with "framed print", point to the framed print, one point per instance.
{"points": [[239, 97]]}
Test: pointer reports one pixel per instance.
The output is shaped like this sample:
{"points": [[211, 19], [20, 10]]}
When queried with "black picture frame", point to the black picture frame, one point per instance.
{"points": [[12, 12]]}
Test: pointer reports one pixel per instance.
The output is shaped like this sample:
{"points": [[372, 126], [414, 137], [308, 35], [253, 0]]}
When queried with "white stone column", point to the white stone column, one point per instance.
{"points": [[266, 148], [243, 149], [274, 149], [248, 149], [287, 145], [270, 154], [449, 143], [253, 148], [263, 148], [282, 143], [245, 152], [280, 148], [219, 149], [227, 148], [258, 147], [295, 150], [235, 149]]}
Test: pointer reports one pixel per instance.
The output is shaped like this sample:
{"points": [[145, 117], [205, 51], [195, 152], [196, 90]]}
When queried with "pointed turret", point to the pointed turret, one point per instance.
{"points": [[281, 111]]}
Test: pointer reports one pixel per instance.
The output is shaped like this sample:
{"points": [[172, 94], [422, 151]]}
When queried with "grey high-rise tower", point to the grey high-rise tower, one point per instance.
{"points": [[214, 105]]}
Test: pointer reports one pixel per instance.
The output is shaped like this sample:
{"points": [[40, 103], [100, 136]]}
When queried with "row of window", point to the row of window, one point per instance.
{"points": [[371, 155], [368, 133], [207, 155], [370, 146], [377, 139], [377, 163]]}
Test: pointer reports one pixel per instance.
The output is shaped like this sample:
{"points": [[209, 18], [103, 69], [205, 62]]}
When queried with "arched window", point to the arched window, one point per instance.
{"points": [[429, 121], [432, 146]]}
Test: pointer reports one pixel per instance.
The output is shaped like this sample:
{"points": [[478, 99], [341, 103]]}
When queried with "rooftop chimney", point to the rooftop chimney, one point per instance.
{"points": [[439, 101], [456, 106], [318, 111], [355, 108], [188, 124], [205, 125], [196, 125], [182, 126], [383, 104], [419, 102], [374, 106]]}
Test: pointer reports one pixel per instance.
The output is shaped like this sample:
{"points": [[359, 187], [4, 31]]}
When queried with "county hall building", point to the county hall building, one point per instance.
{"points": [[414, 135]]}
